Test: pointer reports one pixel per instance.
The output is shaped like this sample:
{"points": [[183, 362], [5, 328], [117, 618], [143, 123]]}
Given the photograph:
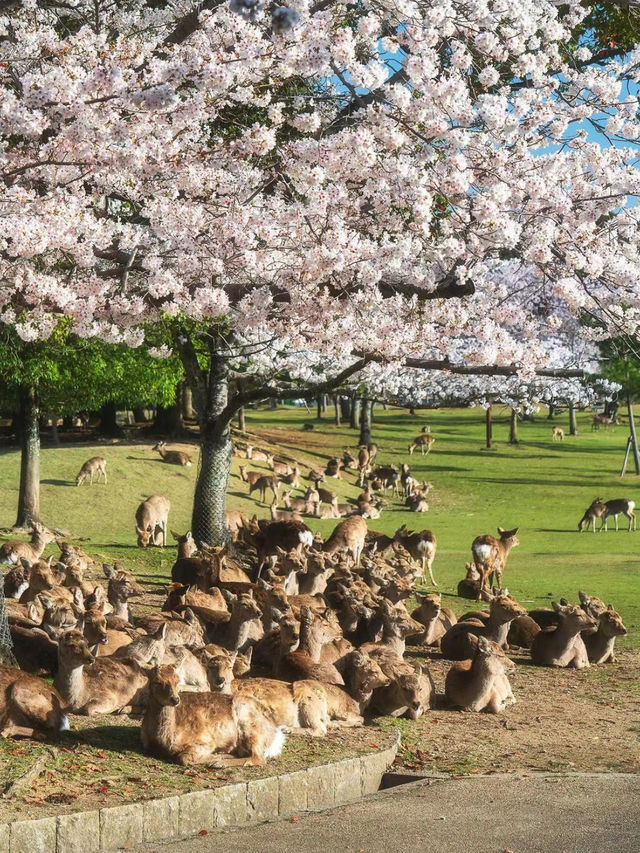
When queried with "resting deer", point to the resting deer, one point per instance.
{"points": [[592, 513], [436, 619], [151, 521], [172, 457], [236, 520], [423, 441], [617, 507], [563, 645], [96, 465], [186, 544], [259, 455], [16, 581], [350, 536], [13, 552], [235, 634], [29, 705], [470, 586], [599, 644], [281, 534], [481, 683], [91, 686], [204, 728], [490, 555], [503, 609], [121, 587], [299, 656], [421, 546]]}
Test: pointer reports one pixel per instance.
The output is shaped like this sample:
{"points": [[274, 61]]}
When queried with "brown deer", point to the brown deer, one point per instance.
{"points": [[96, 465], [91, 686], [260, 483], [604, 421], [299, 656], [16, 581], [592, 513], [599, 644], [481, 683], [421, 546], [562, 645], [503, 609], [151, 521], [397, 625], [333, 469], [350, 536], [409, 690], [436, 619], [423, 441], [12, 552], [557, 433], [617, 507], [121, 587], [236, 520], [283, 514], [259, 455], [300, 505], [281, 534], [490, 555], [186, 544], [470, 586], [29, 705], [206, 728], [234, 635], [172, 457]]}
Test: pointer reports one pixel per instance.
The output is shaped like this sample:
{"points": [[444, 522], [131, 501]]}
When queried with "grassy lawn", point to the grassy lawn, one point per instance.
{"points": [[539, 485]]}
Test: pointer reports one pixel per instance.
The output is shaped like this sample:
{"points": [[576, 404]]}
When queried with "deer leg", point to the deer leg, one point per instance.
{"points": [[430, 568], [615, 517], [91, 478]]}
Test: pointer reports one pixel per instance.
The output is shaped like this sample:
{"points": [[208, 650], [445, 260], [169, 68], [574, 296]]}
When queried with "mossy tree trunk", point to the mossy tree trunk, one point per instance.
{"points": [[29, 492]]}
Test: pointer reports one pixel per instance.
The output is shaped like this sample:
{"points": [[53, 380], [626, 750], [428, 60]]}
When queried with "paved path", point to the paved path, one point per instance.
{"points": [[494, 814]]}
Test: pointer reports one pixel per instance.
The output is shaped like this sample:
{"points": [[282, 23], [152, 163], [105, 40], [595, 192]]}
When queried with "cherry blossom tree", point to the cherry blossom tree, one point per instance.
{"points": [[318, 179]]}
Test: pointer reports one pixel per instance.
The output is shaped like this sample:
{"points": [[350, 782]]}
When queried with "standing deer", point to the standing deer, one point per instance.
{"points": [[173, 457], [592, 512], [617, 507], [421, 546], [151, 521], [603, 420], [490, 555], [96, 465], [261, 482], [422, 441], [349, 536], [557, 433]]}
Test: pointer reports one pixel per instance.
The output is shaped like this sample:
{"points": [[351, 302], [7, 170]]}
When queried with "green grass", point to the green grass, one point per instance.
{"points": [[539, 485]]}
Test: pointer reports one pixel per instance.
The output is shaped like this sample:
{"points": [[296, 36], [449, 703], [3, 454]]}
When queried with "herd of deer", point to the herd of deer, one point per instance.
{"points": [[279, 631]]}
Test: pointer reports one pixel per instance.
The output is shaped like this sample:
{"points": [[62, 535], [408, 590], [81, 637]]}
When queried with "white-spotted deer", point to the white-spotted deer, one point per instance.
{"points": [[421, 546], [490, 555], [423, 441], [151, 521], [96, 465], [172, 457]]}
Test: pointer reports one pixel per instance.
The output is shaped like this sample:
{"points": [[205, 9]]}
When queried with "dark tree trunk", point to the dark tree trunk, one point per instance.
{"points": [[319, 409], [29, 494], [573, 422], [67, 422], [188, 412], [273, 403], [632, 432], [365, 421], [345, 406], [336, 404], [242, 423], [412, 411], [55, 438], [167, 421], [513, 427], [552, 410], [488, 427], [108, 424], [208, 519], [355, 413]]}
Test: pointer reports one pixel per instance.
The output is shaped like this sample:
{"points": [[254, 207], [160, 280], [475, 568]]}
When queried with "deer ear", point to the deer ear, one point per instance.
{"points": [[483, 644], [109, 568], [557, 607], [232, 656], [189, 616], [500, 531], [175, 536], [564, 602], [26, 565]]}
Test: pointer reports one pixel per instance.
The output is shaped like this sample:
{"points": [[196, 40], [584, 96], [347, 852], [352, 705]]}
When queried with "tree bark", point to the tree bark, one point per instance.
{"points": [[345, 407], [552, 410], [573, 421], [55, 438], [513, 427], [632, 432], [242, 422], [365, 421], [188, 412], [488, 427], [319, 409], [336, 404], [108, 423], [355, 413], [29, 494], [208, 520]]}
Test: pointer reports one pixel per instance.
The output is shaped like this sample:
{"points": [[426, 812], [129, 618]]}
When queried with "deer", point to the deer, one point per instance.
{"points": [[12, 552], [28, 705], [436, 619], [151, 521], [103, 686], [599, 644], [186, 544], [172, 457], [257, 455], [333, 469], [409, 691], [260, 483], [603, 420], [291, 479], [236, 520], [299, 655], [563, 646], [503, 609], [281, 534], [397, 625], [557, 433], [422, 441], [121, 587], [283, 514], [299, 505], [349, 460], [481, 683], [206, 728], [282, 469], [235, 635], [593, 512], [349, 535], [616, 507], [421, 546], [16, 581], [490, 555], [96, 465]]}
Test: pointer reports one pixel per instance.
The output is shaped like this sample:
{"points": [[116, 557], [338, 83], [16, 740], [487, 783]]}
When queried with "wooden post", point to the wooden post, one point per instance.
{"points": [[632, 436], [573, 421], [336, 403], [513, 427], [488, 427]]}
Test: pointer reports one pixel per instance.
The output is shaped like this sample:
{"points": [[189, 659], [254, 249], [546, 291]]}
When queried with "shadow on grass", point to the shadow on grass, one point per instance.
{"points": [[58, 483], [114, 738]]}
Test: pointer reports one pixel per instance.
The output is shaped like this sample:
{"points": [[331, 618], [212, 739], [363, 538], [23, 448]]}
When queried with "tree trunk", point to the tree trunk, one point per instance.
{"points": [[108, 423], [29, 494], [632, 432], [552, 409], [355, 412], [323, 401], [208, 519], [319, 404], [513, 427], [336, 404], [488, 427], [573, 421], [140, 414], [242, 423], [412, 411], [6, 645], [345, 406], [55, 438], [365, 421], [188, 412]]}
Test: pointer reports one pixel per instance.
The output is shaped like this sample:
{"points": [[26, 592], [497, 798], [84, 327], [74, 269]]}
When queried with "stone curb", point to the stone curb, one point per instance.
{"points": [[185, 815]]}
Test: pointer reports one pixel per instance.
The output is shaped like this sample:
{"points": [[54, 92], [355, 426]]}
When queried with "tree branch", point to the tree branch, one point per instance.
{"points": [[480, 369], [196, 377]]}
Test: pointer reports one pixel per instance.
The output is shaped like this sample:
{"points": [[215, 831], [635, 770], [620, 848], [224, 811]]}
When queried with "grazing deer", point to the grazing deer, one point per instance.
{"points": [[186, 544], [557, 433], [206, 728], [592, 513], [481, 683], [616, 507], [599, 644], [490, 555], [28, 705], [12, 552], [151, 521], [563, 645], [96, 465], [422, 441], [106, 686], [350, 536], [603, 420], [172, 457], [421, 546], [457, 644]]}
